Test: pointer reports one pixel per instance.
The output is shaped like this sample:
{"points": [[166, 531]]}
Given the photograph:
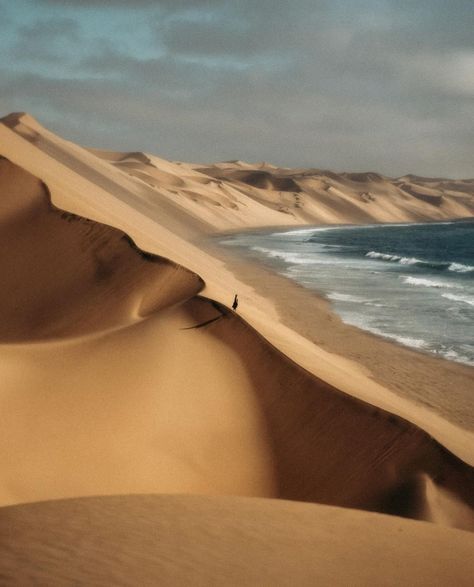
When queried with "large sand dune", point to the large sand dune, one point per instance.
{"points": [[124, 372]]}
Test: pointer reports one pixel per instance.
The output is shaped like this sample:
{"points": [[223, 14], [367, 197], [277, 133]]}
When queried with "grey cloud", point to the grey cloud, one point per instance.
{"points": [[243, 29], [208, 38], [166, 73], [348, 95], [241, 119], [246, 5], [111, 4], [49, 40], [364, 85], [52, 28], [5, 20]]}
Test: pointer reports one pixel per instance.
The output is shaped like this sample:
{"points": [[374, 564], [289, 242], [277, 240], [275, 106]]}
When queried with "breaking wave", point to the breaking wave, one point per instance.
{"points": [[288, 257], [457, 298], [456, 267], [422, 281], [460, 268]]}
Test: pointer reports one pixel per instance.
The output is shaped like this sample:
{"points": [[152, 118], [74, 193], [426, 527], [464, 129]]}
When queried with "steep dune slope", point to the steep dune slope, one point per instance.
{"points": [[91, 410], [58, 269]]}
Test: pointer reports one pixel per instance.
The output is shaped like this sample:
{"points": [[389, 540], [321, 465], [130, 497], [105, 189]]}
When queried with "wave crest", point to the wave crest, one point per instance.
{"points": [[456, 267], [383, 256], [460, 268], [409, 280], [287, 257], [458, 298]]}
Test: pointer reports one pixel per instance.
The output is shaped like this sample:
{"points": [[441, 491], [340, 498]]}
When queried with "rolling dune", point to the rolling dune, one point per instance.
{"points": [[125, 372], [187, 540]]}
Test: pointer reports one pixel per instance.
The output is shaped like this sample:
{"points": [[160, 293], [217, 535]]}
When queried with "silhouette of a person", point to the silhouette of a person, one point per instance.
{"points": [[236, 303]]}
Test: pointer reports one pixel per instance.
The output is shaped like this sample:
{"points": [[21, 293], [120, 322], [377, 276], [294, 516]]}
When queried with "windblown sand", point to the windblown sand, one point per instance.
{"points": [[189, 540], [125, 372]]}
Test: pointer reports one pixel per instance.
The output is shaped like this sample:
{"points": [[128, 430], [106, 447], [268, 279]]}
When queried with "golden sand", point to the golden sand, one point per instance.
{"points": [[124, 372]]}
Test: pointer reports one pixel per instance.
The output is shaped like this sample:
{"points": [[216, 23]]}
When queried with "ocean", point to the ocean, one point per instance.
{"points": [[412, 283]]}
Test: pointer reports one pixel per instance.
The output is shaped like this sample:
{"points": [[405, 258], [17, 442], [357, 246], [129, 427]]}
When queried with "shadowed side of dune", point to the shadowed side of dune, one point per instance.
{"points": [[428, 195], [258, 179], [330, 448], [176, 540], [63, 275]]}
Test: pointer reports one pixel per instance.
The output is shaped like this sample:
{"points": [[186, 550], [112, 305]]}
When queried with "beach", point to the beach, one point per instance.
{"points": [[440, 385], [134, 397]]}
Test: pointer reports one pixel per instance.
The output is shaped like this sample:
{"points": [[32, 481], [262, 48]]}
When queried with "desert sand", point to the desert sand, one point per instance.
{"points": [[198, 540], [125, 373]]}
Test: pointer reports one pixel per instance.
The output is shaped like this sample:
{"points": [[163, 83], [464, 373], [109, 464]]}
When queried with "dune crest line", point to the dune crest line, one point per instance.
{"points": [[126, 373]]}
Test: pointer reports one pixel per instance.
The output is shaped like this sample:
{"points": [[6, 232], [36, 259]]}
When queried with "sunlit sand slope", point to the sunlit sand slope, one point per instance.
{"points": [[176, 540]]}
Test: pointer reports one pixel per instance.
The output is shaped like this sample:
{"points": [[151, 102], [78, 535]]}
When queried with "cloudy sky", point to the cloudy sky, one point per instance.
{"points": [[383, 85]]}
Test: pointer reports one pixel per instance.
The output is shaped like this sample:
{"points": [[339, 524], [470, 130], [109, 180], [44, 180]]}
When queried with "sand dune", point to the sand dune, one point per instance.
{"points": [[59, 269], [125, 372], [164, 540]]}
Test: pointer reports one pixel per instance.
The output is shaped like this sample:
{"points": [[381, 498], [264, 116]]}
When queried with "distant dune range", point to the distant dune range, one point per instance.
{"points": [[125, 372]]}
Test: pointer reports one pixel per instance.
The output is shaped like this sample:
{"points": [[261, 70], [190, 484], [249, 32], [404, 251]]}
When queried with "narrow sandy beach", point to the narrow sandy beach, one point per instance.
{"points": [[438, 384]]}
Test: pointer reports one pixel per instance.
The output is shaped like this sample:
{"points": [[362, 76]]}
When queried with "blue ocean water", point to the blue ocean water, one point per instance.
{"points": [[413, 283]]}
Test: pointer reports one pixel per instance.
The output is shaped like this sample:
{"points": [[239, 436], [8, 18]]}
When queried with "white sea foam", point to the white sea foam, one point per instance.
{"points": [[416, 343], [363, 322], [383, 256], [460, 268], [456, 267], [396, 258], [288, 257], [301, 231], [458, 298], [410, 261], [422, 281], [435, 293], [231, 242], [453, 355], [342, 297], [291, 231]]}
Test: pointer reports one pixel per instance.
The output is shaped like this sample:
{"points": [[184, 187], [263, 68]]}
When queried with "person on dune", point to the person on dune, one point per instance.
{"points": [[236, 303]]}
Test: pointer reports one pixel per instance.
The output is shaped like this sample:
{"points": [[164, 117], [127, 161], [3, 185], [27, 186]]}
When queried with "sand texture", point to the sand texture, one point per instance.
{"points": [[188, 540], [125, 373]]}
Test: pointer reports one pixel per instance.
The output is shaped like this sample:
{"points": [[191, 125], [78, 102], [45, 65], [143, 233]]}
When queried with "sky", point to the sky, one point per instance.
{"points": [[346, 85]]}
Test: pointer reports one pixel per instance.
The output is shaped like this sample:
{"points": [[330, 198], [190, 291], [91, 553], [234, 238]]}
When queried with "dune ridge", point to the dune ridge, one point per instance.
{"points": [[61, 265], [125, 372], [232, 195]]}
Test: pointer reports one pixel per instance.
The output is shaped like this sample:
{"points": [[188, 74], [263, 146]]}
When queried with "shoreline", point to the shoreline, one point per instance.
{"points": [[410, 373], [287, 227], [304, 230]]}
